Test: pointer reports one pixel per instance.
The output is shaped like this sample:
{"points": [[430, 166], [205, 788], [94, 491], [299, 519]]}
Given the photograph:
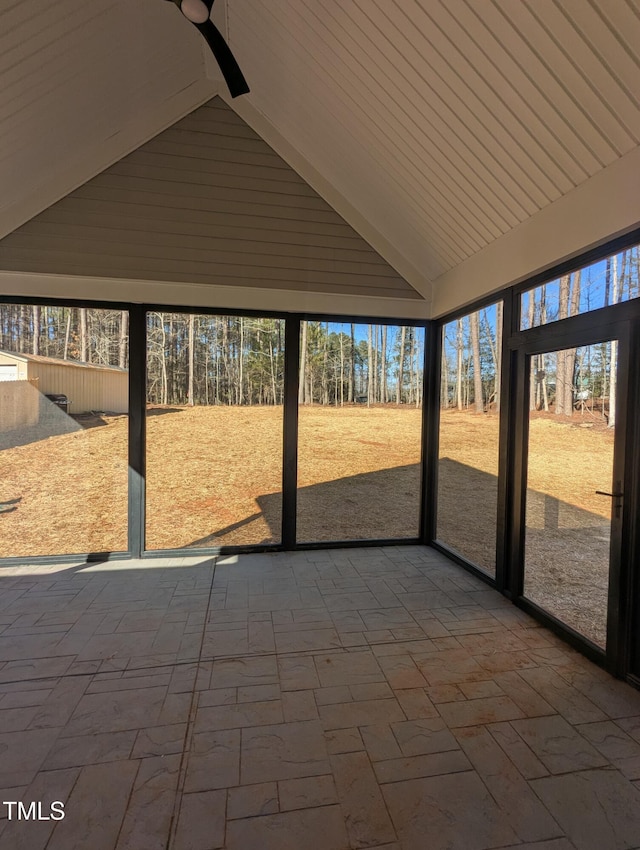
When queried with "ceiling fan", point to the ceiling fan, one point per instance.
{"points": [[198, 12]]}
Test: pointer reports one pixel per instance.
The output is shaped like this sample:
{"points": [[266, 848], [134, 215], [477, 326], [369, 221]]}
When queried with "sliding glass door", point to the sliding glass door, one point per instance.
{"points": [[573, 494], [574, 501]]}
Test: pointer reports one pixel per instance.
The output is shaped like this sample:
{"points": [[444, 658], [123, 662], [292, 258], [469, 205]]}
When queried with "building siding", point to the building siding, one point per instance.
{"points": [[87, 387], [206, 202]]}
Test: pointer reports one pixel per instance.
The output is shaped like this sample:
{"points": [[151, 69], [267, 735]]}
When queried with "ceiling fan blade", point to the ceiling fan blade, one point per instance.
{"points": [[231, 72]]}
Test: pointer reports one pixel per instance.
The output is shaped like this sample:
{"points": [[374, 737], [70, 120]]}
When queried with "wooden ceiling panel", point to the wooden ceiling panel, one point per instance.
{"points": [[441, 125]]}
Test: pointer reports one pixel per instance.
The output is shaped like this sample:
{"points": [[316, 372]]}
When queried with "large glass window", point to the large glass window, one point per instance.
{"points": [[359, 431], [63, 430], [468, 439], [214, 430], [606, 282], [570, 469]]}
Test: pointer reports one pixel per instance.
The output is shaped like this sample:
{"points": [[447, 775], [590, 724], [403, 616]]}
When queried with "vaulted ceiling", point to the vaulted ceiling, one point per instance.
{"points": [[454, 135]]}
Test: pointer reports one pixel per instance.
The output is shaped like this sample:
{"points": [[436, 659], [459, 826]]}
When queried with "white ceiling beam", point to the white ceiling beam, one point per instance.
{"points": [[603, 207], [25, 284]]}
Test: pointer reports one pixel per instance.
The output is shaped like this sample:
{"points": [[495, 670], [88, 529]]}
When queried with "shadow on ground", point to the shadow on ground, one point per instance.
{"points": [[567, 547], [374, 505]]}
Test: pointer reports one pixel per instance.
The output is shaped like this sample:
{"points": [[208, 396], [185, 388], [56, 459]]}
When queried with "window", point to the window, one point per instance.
{"points": [[606, 282], [214, 430], [360, 425], [468, 437], [63, 430]]}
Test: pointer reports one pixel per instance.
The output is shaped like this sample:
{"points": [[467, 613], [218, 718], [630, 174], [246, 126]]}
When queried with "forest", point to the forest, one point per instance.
{"points": [[233, 360], [564, 382], [66, 333], [202, 359]]}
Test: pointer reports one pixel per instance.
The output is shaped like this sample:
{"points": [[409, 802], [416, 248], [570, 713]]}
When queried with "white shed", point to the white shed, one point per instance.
{"points": [[88, 386]]}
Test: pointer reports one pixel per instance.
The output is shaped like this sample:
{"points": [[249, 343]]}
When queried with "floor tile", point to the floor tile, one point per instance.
{"points": [[456, 812], [365, 813], [289, 831], [595, 808], [558, 746], [283, 751], [201, 824], [337, 699]]}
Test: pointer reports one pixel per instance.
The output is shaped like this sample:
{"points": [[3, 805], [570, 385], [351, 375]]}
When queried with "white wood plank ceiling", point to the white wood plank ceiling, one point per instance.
{"points": [[447, 122], [442, 124]]}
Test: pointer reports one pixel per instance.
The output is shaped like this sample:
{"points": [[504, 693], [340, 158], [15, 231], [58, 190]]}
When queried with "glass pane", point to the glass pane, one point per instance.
{"points": [[469, 434], [214, 430], [609, 281], [571, 436], [64, 392], [360, 431]]}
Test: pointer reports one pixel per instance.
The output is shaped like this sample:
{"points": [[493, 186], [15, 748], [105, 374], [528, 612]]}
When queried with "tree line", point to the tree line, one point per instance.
{"points": [[367, 364], [198, 359], [471, 360], [572, 379], [66, 333], [207, 359]]}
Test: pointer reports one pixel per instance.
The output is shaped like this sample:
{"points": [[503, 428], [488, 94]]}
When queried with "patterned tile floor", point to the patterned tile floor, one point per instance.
{"points": [[362, 698]]}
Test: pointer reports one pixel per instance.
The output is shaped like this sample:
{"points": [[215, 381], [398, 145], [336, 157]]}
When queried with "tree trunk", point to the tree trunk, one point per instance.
{"points": [[477, 366], [325, 366], [165, 382], [67, 334], [499, 331], [459, 342], [374, 337], [36, 329], [122, 342], [531, 314], [616, 292], [561, 357], [570, 354], [444, 377], [241, 363], [84, 336], [412, 357], [403, 333], [303, 364], [383, 355], [370, 379], [352, 369], [190, 376]]}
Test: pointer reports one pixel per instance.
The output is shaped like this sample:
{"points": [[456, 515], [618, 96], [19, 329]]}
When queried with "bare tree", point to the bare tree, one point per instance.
{"points": [[383, 355], [36, 329], [477, 366], [303, 363], [401, 352], [616, 293], [459, 358], [84, 336], [123, 339], [370, 385], [561, 357], [190, 375]]}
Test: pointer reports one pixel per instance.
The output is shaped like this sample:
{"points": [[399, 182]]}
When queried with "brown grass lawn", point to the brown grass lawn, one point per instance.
{"points": [[214, 476]]}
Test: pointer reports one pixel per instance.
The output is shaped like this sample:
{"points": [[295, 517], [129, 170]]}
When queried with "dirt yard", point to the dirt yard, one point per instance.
{"points": [[214, 477]]}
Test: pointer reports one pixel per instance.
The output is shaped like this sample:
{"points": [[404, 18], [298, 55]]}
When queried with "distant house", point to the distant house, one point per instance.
{"points": [[88, 386]]}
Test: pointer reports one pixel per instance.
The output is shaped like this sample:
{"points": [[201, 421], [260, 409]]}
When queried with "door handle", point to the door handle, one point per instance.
{"points": [[617, 496]]}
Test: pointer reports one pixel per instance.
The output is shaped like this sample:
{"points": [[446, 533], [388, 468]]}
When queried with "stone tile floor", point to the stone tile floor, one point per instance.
{"points": [[362, 698]]}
